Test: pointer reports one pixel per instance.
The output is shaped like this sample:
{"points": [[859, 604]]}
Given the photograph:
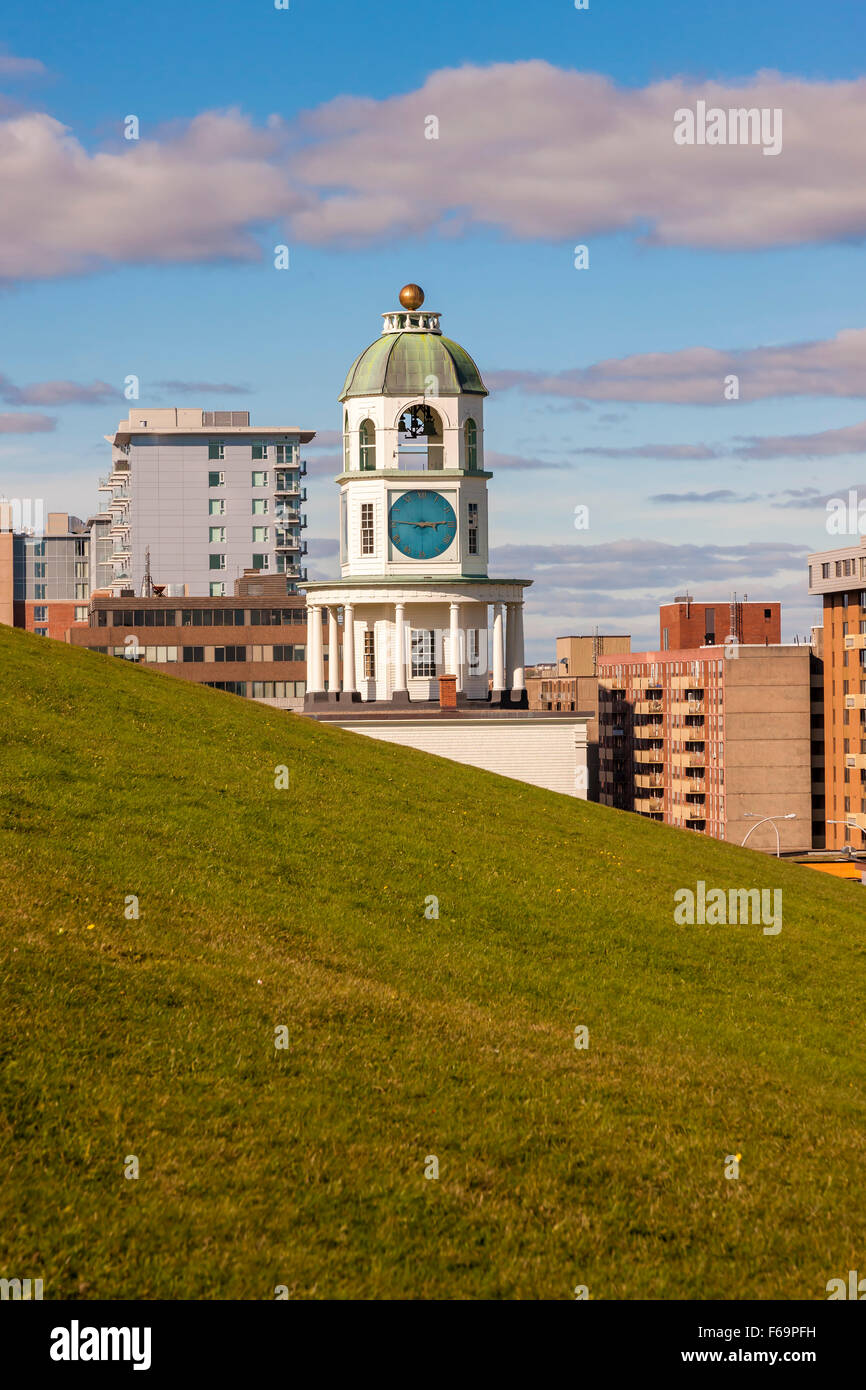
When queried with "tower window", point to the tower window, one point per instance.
{"points": [[367, 441], [346, 441], [473, 527], [470, 439], [367, 534], [420, 442], [370, 654]]}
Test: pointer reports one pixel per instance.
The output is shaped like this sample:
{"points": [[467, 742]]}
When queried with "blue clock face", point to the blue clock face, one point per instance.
{"points": [[422, 524]]}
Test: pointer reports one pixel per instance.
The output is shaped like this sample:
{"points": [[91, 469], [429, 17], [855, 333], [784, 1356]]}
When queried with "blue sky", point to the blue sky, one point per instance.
{"points": [[531, 161]]}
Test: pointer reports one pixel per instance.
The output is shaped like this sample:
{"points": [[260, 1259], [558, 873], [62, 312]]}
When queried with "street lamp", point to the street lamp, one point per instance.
{"points": [[847, 848], [750, 815]]}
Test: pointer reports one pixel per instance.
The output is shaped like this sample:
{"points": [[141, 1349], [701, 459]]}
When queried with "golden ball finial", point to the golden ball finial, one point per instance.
{"points": [[411, 296]]}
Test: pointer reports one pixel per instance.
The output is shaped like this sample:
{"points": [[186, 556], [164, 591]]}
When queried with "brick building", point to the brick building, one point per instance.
{"points": [[253, 644], [711, 739], [571, 684], [838, 577], [685, 624]]}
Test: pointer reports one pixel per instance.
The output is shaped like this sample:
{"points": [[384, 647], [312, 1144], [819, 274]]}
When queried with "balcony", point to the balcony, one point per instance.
{"points": [[855, 642], [855, 760], [855, 820], [652, 803], [649, 707], [687, 683], [286, 541], [648, 755], [681, 704], [851, 702], [649, 779]]}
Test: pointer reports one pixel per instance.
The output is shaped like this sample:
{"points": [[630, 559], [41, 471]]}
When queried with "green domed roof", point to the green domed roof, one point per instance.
{"points": [[400, 364]]}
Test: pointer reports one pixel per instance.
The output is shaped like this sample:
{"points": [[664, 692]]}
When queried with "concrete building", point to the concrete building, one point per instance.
{"points": [[424, 622], [713, 739], [44, 576], [838, 578], [253, 644], [208, 495], [685, 623], [571, 683]]}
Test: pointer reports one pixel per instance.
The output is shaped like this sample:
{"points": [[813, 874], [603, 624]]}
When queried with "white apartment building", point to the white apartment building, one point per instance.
{"points": [[208, 496]]}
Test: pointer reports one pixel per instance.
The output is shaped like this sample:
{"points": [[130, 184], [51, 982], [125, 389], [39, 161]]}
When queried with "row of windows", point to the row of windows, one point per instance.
{"points": [[424, 646], [282, 453], [261, 690], [200, 617], [166, 655]]}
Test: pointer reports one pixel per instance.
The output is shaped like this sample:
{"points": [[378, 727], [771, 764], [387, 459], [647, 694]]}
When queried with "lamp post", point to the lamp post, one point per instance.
{"points": [[750, 815]]}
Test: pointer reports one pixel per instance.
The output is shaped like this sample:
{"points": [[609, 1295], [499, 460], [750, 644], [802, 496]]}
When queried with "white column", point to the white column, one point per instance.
{"points": [[498, 650], [349, 648], [517, 680], [315, 661], [510, 632], [399, 649], [333, 649], [455, 663]]}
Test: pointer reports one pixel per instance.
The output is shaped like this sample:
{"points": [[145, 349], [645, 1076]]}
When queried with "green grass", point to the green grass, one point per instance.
{"points": [[408, 1037]]}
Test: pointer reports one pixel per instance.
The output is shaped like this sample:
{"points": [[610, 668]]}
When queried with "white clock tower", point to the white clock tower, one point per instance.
{"points": [[416, 598]]}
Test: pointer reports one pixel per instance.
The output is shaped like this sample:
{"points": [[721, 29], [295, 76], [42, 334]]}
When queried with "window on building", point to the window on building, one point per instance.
{"points": [[260, 506], [260, 451], [216, 449], [39, 569], [216, 479], [39, 591], [217, 535], [473, 651], [217, 589], [229, 653], [261, 562], [370, 654], [81, 547], [216, 507], [423, 647], [367, 534], [768, 613], [473, 527], [193, 653], [367, 445], [40, 615], [347, 444], [260, 479], [216, 562], [260, 535], [285, 453], [470, 444]]}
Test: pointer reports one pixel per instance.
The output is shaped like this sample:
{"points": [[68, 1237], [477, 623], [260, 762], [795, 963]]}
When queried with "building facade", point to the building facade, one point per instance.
{"points": [[571, 683], [253, 644], [45, 575], [713, 739], [838, 578], [208, 496], [685, 623]]}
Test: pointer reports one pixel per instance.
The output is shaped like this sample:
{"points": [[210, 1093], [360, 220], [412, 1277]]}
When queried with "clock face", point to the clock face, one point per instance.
{"points": [[422, 525]]}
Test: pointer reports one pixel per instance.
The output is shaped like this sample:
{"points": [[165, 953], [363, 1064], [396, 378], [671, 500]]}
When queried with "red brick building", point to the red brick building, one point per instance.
{"points": [[686, 624]]}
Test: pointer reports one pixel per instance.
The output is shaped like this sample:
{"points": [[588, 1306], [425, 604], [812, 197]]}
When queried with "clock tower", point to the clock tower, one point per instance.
{"points": [[416, 598]]}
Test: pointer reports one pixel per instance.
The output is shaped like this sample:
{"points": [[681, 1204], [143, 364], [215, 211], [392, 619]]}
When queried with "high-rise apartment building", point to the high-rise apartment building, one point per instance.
{"points": [[208, 496], [838, 577], [713, 739]]}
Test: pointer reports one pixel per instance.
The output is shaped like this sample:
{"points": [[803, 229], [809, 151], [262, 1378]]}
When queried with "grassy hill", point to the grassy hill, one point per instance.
{"points": [[408, 1037]]}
